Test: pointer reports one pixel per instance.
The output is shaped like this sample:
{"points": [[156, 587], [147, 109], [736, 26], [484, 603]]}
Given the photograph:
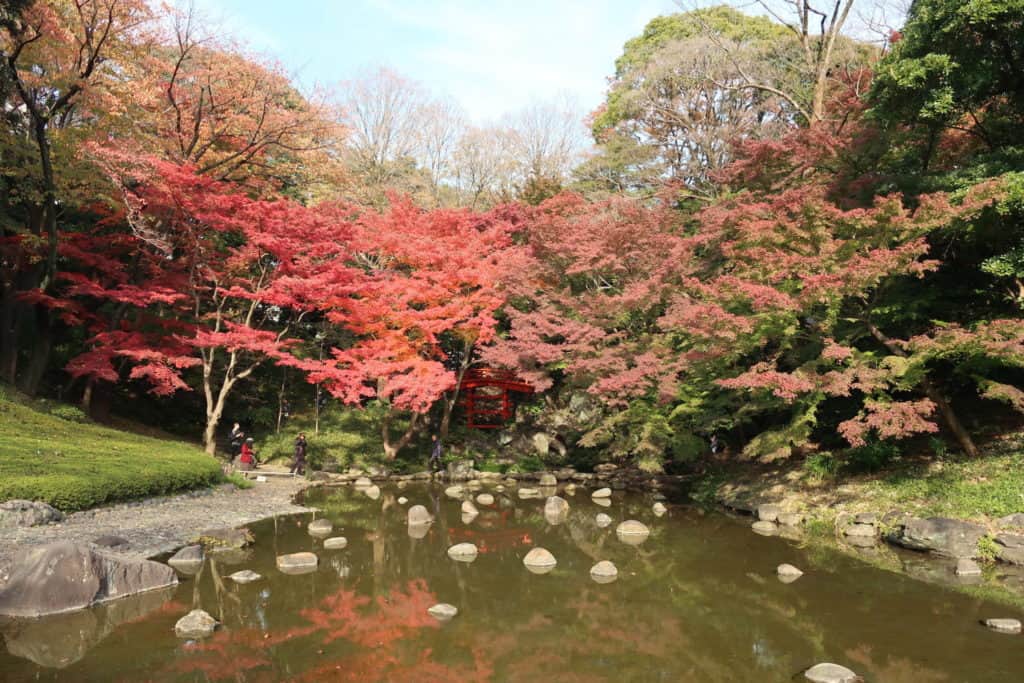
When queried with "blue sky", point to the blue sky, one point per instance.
{"points": [[491, 56]]}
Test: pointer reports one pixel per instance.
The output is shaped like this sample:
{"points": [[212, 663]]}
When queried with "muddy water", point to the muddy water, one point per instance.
{"points": [[697, 601]]}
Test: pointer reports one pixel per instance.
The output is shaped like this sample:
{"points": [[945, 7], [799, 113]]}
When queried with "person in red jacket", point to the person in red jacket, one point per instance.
{"points": [[247, 458]]}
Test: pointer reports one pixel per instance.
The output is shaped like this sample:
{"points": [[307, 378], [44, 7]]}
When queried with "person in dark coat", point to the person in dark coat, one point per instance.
{"points": [[237, 437], [299, 463], [435, 454]]}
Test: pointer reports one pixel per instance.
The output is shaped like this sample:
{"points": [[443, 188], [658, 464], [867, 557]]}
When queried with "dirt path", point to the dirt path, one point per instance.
{"points": [[158, 525]]}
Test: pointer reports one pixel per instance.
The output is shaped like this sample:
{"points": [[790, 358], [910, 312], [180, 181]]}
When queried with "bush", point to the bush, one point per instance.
{"points": [[872, 457], [69, 413], [822, 465]]}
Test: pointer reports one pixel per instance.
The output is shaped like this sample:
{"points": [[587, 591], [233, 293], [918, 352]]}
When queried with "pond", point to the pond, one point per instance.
{"points": [[698, 600]]}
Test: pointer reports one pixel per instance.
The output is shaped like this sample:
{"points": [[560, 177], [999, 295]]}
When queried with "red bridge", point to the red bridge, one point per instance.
{"points": [[485, 396]]}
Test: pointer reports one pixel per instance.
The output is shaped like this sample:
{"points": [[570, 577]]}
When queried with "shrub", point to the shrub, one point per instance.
{"points": [[822, 465], [872, 457], [69, 413]]}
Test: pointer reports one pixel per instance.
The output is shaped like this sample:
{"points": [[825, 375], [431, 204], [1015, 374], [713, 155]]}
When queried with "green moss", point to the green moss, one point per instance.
{"points": [[74, 466]]}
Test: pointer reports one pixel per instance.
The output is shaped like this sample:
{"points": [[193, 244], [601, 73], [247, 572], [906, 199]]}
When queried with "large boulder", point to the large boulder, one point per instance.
{"points": [[66, 576], [195, 624], [940, 536], [1010, 548], [14, 513]]}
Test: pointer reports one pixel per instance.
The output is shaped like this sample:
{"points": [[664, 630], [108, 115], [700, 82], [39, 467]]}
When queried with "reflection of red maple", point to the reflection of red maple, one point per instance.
{"points": [[380, 624]]}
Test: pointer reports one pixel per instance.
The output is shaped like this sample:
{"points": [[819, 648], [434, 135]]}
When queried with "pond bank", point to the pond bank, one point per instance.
{"points": [[159, 525]]}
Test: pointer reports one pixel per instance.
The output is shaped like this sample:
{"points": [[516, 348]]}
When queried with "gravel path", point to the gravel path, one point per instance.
{"points": [[159, 525]]}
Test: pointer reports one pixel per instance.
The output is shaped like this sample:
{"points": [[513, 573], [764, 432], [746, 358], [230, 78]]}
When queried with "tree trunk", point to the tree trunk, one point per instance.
{"points": [[449, 404], [953, 422], [40, 359], [391, 448]]}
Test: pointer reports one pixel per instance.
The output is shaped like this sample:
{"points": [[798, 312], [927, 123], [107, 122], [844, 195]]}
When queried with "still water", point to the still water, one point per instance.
{"points": [[697, 601]]}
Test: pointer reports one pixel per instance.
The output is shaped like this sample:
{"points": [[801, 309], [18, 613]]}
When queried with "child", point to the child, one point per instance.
{"points": [[247, 458]]}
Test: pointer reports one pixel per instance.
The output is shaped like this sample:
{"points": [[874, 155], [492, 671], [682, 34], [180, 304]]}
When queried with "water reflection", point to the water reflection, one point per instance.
{"points": [[694, 600]]}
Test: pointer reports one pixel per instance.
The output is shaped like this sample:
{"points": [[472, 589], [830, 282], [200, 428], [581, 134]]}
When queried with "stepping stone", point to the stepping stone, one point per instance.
{"points": [[602, 493], [485, 499], [765, 528], [787, 573], [418, 515], [768, 513], [188, 560], [297, 563], [245, 576], [859, 531], [320, 527], [403, 500], [790, 518], [335, 543], [463, 552], [831, 673], [632, 532], [454, 491], [443, 611], [659, 509], [195, 624], [539, 561], [468, 508], [602, 520], [604, 572], [363, 482], [1003, 625]]}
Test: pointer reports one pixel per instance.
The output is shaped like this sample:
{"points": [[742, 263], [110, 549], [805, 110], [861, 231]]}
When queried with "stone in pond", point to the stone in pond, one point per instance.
{"points": [[67, 576], [539, 561], [418, 515], [455, 491], [468, 517], [602, 502], [469, 509], [297, 563], [831, 673], [602, 493], [602, 520], [363, 482], [500, 488], [967, 567], [320, 527], [527, 492], [403, 500], [443, 611], [556, 506], [188, 560], [245, 576], [659, 509], [765, 528], [463, 552], [768, 512], [418, 531], [787, 573], [195, 624], [485, 499], [335, 543], [1003, 625], [604, 572], [548, 479], [940, 535], [632, 532], [372, 492]]}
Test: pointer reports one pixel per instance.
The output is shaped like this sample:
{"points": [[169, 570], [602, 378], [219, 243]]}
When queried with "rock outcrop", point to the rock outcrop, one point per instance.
{"points": [[66, 576], [28, 513], [940, 536]]}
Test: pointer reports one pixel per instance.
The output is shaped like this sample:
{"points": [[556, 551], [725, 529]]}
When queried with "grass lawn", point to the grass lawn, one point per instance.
{"points": [[49, 452]]}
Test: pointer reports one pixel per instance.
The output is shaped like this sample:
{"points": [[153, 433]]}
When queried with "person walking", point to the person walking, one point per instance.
{"points": [[237, 436], [435, 454], [299, 463]]}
